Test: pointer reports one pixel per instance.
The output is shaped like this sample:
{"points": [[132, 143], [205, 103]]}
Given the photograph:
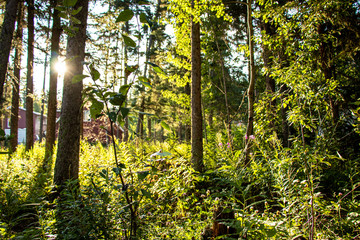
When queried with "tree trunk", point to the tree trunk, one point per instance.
{"points": [[285, 124], [7, 32], [52, 103], [150, 46], [140, 123], [251, 89], [126, 124], [14, 120], [196, 113], [29, 78], [67, 160], [149, 128], [44, 82]]}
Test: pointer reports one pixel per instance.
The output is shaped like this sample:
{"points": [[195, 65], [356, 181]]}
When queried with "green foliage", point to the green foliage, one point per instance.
{"points": [[271, 198], [125, 16]]}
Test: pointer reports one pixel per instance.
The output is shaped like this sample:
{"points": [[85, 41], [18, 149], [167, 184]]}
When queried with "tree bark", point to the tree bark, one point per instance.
{"points": [[140, 122], [52, 103], [251, 89], [187, 134], [285, 132], [44, 82], [196, 113], [7, 32], [29, 78], [14, 119], [149, 127], [67, 159], [126, 124]]}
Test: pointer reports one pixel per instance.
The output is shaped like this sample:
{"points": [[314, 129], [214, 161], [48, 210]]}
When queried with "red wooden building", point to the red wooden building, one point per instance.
{"points": [[93, 130]]}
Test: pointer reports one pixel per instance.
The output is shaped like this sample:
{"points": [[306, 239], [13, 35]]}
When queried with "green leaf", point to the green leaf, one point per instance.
{"points": [[130, 69], [118, 99], [125, 16], [143, 18], [2, 132], [118, 169], [124, 112], [78, 78], [142, 175], [112, 116], [63, 15], [74, 29], [124, 89], [145, 81], [68, 31], [94, 73], [104, 174], [75, 20], [76, 11], [61, 8], [155, 67], [96, 108], [69, 3], [165, 125], [128, 41]]}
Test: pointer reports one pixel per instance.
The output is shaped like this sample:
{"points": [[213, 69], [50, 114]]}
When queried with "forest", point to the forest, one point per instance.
{"points": [[176, 119]]}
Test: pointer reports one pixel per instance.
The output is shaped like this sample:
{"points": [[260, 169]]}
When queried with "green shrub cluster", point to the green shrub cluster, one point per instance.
{"points": [[282, 194]]}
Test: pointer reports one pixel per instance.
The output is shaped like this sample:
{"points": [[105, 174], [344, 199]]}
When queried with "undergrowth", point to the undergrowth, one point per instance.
{"points": [[283, 194]]}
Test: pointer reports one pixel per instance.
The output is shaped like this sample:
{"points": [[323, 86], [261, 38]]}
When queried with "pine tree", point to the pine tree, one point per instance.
{"points": [[67, 159]]}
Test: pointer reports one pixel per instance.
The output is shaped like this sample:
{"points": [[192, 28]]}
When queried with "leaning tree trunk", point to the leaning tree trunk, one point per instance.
{"points": [[6, 37], [29, 78], [14, 119], [251, 89], [67, 159], [51, 115], [196, 113]]}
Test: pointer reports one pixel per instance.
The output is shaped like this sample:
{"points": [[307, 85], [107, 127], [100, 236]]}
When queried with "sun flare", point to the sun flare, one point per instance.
{"points": [[60, 67]]}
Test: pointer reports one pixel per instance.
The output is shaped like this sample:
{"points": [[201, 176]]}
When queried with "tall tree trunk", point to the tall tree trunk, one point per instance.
{"points": [[228, 121], [6, 37], [44, 82], [149, 49], [67, 159], [14, 120], [140, 123], [29, 78], [196, 113], [187, 136], [52, 103], [149, 127], [126, 124], [251, 89], [285, 124]]}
